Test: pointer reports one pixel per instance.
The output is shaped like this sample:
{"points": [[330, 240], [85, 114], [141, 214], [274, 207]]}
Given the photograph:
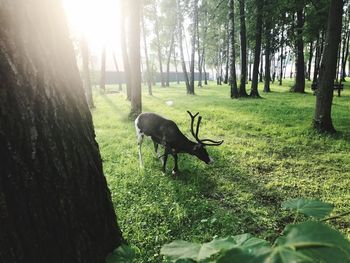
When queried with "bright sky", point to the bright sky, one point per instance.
{"points": [[98, 20]]}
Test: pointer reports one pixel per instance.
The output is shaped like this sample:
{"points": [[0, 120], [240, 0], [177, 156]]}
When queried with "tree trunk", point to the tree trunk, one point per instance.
{"points": [[338, 64], [148, 68], [324, 95], [318, 56], [193, 43], [310, 61], [232, 55], [267, 59], [86, 72], [227, 54], [258, 31], [204, 69], [159, 50], [103, 71], [54, 202], [345, 55], [250, 66], [299, 85], [201, 53], [243, 35], [261, 68], [118, 71], [282, 56], [127, 72], [183, 63], [170, 51], [176, 71], [134, 57]]}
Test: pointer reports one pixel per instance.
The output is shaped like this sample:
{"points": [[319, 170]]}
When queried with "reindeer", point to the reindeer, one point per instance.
{"points": [[165, 132]]}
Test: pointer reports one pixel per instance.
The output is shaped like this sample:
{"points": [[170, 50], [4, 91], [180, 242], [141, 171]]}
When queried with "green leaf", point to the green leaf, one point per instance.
{"points": [[197, 252], [180, 250], [123, 254], [235, 255], [314, 208], [283, 254], [318, 241]]}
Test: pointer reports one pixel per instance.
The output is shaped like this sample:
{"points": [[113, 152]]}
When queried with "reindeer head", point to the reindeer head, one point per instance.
{"points": [[199, 149]]}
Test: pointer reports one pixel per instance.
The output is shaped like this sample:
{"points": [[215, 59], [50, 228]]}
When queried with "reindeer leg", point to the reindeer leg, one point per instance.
{"points": [[165, 158], [156, 148], [176, 168], [139, 144]]}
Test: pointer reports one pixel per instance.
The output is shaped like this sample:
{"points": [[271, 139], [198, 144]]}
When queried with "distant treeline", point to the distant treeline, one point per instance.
{"points": [[114, 77]]}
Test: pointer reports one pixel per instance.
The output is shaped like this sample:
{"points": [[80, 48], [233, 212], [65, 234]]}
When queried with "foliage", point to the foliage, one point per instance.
{"points": [[304, 242], [270, 155], [313, 208]]}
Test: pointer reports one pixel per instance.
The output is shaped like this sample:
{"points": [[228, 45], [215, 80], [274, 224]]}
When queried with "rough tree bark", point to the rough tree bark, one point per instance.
{"points": [[243, 35], [231, 51], [86, 72], [322, 119], [299, 85], [54, 202], [258, 31]]}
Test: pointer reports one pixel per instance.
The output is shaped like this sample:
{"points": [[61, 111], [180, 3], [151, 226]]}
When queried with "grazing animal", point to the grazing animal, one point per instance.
{"points": [[165, 132]]}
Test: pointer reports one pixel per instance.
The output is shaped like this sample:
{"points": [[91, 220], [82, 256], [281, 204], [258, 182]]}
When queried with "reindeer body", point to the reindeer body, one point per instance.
{"points": [[165, 132]]}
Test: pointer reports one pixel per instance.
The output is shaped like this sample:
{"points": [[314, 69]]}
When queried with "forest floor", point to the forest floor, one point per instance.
{"points": [[270, 155]]}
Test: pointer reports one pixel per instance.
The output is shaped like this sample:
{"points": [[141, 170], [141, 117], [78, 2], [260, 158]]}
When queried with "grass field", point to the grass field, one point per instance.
{"points": [[270, 155]]}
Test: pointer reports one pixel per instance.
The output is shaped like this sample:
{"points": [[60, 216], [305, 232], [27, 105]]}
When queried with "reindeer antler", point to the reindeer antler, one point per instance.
{"points": [[195, 135]]}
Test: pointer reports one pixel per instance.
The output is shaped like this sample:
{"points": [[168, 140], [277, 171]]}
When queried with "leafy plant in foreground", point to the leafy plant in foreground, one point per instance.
{"points": [[310, 241]]}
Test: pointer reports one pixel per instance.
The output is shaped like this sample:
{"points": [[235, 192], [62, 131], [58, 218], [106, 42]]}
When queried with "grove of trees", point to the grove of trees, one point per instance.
{"points": [[263, 37]]}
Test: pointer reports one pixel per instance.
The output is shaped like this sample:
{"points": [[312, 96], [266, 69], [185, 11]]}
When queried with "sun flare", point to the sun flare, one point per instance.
{"points": [[97, 20]]}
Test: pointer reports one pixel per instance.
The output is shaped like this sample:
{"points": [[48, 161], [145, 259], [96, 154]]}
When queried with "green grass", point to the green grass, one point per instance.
{"points": [[270, 154]]}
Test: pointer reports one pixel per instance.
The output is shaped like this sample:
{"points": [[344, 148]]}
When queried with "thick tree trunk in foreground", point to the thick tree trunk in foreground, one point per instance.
{"points": [[243, 35], [258, 31], [54, 202], [231, 51], [86, 72], [324, 96], [134, 56], [299, 85]]}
